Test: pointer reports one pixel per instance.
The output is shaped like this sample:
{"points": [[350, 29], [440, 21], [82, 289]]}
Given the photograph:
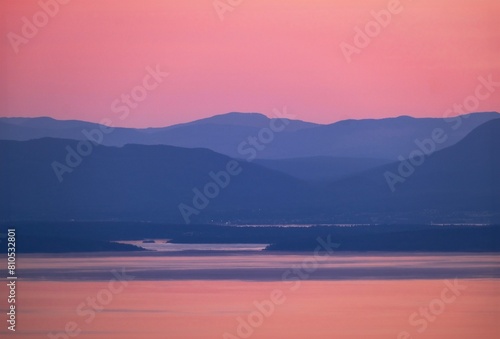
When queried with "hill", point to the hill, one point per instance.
{"points": [[230, 134], [172, 184]]}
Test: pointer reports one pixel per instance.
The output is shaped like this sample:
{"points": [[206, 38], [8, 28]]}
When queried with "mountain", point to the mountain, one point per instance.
{"points": [[139, 182], [22, 129], [221, 133], [321, 168], [372, 138], [245, 119], [462, 179], [135, 182], [230, 134]]}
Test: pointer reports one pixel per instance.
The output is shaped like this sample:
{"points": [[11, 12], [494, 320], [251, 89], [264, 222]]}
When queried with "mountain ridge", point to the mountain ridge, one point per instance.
{"points": [[141, 182], [385, 138]]}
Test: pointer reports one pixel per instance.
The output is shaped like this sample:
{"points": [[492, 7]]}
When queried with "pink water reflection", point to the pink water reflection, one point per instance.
{"points": [[207, 309]]}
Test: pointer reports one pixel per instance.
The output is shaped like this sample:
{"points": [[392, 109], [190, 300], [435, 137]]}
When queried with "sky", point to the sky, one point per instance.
{"points": [[212, 57]]}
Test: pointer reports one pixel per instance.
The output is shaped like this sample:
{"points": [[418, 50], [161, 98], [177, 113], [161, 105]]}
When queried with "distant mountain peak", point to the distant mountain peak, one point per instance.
{"points": [[236, 118], [250, 119]]}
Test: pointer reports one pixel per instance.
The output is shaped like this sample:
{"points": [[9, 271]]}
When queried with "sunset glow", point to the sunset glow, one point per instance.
{"points": [[257, 56]]}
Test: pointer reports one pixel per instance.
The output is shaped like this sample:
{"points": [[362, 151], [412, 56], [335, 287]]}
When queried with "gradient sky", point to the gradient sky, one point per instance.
{"points": [[265, 54]]}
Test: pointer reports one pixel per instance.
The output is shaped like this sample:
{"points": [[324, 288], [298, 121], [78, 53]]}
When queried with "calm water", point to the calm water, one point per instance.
{"points": [[274, 296]]}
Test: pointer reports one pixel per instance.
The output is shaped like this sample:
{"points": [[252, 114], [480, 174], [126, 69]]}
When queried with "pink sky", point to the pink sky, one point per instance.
{"points": [[265, 54]]}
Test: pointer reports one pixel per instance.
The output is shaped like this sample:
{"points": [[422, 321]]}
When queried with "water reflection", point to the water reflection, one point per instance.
{"points": [[258, 266]]}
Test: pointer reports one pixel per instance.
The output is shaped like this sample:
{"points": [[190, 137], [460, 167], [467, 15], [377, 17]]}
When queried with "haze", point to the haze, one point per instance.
{"points": [[264, 54]]}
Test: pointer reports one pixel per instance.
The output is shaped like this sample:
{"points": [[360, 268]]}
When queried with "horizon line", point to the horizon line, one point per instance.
{"points": [[257, 113]]}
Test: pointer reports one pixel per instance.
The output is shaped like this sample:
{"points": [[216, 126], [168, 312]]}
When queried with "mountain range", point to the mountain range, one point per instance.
{"points": [[450, 176], [383, 139]]}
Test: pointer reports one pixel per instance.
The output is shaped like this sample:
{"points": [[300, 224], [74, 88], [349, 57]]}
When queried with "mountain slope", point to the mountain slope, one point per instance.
{"points": [[246, 119], [134, 182], [321, 168], [138, 182], [462, 179], [381, 138], [229, 134], [23, 129]]}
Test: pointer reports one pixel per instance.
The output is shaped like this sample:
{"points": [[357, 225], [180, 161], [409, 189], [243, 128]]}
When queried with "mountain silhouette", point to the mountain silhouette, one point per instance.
{"points": [[151, 182], [229, 134]]}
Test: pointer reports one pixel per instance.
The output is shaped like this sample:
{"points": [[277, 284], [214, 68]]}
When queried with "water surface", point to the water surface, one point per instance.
{"points": [[147, 295]]}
